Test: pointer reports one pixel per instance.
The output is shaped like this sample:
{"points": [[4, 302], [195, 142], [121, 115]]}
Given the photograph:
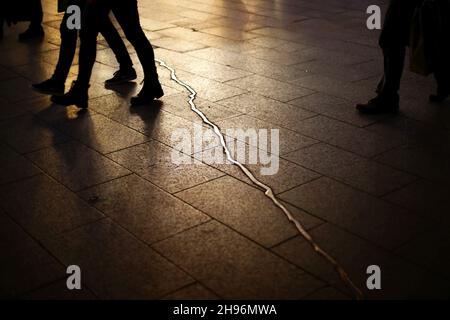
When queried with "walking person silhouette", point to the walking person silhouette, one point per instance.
{"points": [[55, 85], [393, 41], [95, 15]]}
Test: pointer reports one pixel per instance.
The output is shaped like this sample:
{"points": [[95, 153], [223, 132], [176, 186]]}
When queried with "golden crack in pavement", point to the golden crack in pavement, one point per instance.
{"points": [[268, 191]]}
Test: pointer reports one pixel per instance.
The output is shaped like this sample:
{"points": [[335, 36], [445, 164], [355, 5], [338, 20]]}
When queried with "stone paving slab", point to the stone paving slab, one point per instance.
{"points": [[235, 267]]}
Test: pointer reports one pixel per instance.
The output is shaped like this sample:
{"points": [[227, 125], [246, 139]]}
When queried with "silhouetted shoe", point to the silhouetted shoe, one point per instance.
{"points": [[379, 105], [49, 86], [440, 96], [77, 96], [150, 91], [32, 33], [122, 76]]}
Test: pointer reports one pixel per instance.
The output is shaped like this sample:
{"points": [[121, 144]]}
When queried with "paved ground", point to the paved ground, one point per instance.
{"points": [[99, 190]]}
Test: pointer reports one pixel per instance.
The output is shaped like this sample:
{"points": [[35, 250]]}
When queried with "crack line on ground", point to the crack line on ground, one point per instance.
{"points": [[268, 190]]}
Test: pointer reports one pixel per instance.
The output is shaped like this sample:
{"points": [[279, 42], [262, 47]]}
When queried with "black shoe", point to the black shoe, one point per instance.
{"points": [[121, 76], [379, 105], [32, 33], [77, 96], [440, 96], [149, 92], [49, 86]]}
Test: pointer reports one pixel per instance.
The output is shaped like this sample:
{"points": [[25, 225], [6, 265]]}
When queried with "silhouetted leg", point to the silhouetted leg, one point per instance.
{"points": [[442, 75], [116, 44], [95, 16]]}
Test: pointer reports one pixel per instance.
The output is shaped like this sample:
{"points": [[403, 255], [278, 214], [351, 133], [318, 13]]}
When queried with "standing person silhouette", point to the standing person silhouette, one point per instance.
{"points": [[95, 15], [55, 85], [393, 41]]}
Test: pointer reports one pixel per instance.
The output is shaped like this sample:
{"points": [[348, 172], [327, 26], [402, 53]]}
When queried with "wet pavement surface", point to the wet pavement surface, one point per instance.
{"points": [[99, 190]]}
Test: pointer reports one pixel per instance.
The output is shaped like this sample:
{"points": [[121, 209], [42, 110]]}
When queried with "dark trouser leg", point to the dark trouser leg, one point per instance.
{"points": [[126, 13], [116, 44], [394, 61], [66, 52], [37, 13], [393, 41]]}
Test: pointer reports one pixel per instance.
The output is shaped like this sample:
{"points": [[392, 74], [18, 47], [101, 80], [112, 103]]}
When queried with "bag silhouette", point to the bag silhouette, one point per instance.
{"points": [[430, 36]]}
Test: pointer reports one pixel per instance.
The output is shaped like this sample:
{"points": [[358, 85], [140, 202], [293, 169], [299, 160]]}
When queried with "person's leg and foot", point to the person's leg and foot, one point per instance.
{"points": [[126, 13], [94, 15], [394, 39], [441, 63], [35, 29], [387, 100], [126, 71], [55, 85]]}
